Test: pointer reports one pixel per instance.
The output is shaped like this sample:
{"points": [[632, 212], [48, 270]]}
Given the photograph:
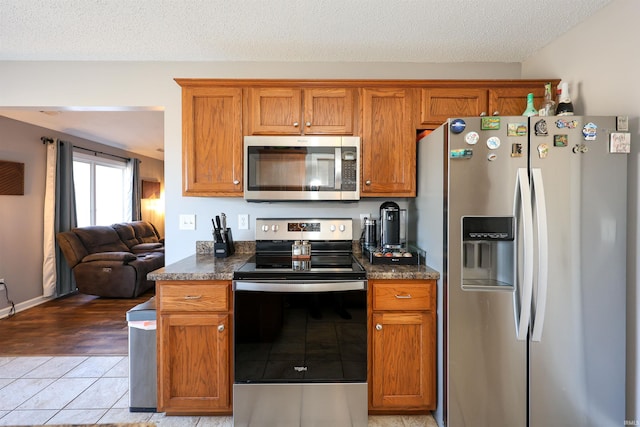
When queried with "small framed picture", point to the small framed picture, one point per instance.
{"points": [[622, 123], [620, 142]]}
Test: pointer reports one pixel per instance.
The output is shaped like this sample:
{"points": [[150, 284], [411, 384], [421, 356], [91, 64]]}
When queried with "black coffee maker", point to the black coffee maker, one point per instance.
{"points": [[390, 226]]}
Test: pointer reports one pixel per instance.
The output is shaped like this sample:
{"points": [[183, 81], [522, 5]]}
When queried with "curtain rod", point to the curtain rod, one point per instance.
{"points": [[45, 140]]}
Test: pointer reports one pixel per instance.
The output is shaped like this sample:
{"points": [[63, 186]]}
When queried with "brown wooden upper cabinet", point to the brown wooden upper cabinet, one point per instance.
{"points": [[301, 111], [388, 155], [437, 104], [212, 141]]}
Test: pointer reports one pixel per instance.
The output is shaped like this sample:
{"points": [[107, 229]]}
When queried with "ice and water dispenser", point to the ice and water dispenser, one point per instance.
{"points": [[488, 253]]}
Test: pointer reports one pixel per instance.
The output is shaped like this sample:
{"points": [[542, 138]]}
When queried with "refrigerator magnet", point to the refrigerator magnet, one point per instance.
{"points": [[463, 153], [566, 124], [516, 129], [490, 123], [516, 149], [472, 138], [543, 150], [560, 140], [458, 125], [540, 128], [622, 123], [590, 131], [492, 156], [620, 142], [493, 142]]}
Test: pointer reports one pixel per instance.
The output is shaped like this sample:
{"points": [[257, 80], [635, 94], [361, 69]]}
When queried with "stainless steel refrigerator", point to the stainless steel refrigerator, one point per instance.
{"points": [[526, 220]]}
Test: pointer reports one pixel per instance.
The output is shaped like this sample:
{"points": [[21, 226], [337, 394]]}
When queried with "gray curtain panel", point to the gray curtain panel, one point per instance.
{"points": [[65, 213], [136, 192]]}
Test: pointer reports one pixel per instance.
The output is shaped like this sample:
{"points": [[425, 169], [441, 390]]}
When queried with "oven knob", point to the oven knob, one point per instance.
{"points": [[332, 228], [265, 228], [274, 228], [342, 227]]}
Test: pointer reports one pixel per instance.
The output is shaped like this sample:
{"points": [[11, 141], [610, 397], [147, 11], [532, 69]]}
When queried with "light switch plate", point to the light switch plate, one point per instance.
{"points": [[187, 222]]}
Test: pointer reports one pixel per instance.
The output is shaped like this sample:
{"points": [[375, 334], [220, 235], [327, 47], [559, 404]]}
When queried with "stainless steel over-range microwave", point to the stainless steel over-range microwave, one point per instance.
{"points": [[301, 168]]}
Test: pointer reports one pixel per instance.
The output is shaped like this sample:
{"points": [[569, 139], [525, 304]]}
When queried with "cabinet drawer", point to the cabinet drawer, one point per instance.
{"points": [[398, 296], [187, 296]]}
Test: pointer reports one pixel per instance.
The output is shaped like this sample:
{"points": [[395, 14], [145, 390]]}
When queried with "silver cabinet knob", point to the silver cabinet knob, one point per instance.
{"points": [[378, 327], [236, 182], [496, 113], [296, 124], [367, 182], [308, 124], [220, 328]]}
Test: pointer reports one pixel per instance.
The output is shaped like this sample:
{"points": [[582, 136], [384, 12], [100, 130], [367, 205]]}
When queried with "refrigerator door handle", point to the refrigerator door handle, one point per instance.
{"points": [[523, 292], [543, 255]]}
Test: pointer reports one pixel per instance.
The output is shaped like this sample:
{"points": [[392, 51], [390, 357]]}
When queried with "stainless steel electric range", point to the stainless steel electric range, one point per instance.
{"points": [[300, 327]]}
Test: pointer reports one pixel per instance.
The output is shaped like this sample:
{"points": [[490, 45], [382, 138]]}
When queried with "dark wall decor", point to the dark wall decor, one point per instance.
{"points": [[11, 178], [150, 189]]}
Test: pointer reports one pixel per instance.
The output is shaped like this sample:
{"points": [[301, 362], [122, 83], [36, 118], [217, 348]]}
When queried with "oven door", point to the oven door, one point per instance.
{"points": [[300, 354], [300, 332]]}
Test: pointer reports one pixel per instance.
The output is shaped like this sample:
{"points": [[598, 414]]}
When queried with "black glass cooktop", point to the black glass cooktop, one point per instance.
{"points": [[279, 266]]}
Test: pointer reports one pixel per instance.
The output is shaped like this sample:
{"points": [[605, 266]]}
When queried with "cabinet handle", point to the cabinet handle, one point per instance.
{"points": [[236, 182], [220, 328], [367, 182], [408, 296], [496, 113], [295, 124], [188, 297], [308, 124], [378, 327]]}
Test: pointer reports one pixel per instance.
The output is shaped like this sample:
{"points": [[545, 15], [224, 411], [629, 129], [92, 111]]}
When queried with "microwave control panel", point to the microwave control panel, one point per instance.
{"points": [[349, 171]]}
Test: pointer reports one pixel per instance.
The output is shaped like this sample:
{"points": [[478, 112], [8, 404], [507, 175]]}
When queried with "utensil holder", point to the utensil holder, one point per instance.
{"points": [[225, 248]]}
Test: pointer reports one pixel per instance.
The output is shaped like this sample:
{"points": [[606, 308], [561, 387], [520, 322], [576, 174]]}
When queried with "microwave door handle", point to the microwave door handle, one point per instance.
{"points": [[338, 168]]}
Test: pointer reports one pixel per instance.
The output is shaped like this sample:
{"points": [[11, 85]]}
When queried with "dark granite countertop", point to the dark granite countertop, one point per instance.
{"points": [[204, 266]]}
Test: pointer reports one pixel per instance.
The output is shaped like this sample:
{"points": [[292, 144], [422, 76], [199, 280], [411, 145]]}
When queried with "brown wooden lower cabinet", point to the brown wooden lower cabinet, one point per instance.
{"points": [[402, 346], [194, 347], [194, 338]]}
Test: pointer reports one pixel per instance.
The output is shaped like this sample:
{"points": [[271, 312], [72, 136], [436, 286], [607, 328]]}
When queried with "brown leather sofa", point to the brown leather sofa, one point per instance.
{"points": [[113, 261]]}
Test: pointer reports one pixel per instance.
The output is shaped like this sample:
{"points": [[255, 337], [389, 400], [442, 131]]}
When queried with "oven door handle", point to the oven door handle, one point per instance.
{"points": [[299, 286]]}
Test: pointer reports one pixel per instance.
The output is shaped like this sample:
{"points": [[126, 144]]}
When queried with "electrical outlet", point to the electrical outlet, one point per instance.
{"points": [[243, 221], [187, 222]]}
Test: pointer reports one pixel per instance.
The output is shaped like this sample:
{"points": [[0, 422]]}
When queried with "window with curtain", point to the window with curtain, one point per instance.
{"points": [[102, 190]]}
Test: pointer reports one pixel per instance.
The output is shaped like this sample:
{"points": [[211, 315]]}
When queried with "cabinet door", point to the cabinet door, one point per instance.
{"points": [[212, 141], [439, 104], [403, 360], [193, 356], [388, 143], [328, 111], [513, 101], [275, 111]]}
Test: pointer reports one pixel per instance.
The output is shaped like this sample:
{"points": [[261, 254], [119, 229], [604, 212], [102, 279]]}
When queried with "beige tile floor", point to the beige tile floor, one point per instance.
{"points": [[94, 390]]}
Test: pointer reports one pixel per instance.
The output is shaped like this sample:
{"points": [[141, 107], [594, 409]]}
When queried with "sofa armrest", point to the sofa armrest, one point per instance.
{"points": [[146, 247], [125, 257]]}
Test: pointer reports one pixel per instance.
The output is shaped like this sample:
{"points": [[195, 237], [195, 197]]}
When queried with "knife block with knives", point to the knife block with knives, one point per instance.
{"points": [[222, 239]]}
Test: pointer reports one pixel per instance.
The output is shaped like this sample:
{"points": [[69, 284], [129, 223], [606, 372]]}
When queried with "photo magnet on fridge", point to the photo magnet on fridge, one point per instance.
{"points": [[490, 123], [620, 142], [622, 123]]}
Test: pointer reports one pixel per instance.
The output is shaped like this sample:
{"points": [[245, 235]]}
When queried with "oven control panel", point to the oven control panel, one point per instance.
{"points": [[304, 229]]}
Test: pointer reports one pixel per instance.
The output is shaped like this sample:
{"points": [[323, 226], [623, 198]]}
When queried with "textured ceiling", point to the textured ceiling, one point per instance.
{"points": [[278, 30], [281, 30]]}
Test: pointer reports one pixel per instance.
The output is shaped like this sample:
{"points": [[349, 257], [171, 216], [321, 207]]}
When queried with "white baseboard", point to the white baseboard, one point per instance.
{"points": [[25, 305]]}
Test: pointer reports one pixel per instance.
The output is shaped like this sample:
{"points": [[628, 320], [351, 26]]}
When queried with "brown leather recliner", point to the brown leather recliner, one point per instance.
{"points": [[113, 261]]}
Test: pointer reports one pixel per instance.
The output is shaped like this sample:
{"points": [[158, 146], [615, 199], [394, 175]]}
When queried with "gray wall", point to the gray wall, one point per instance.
{"points": [[21, 217]]}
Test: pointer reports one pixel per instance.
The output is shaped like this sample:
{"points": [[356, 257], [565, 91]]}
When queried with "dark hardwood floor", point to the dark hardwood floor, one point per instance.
{"points": [[76, 324]]}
